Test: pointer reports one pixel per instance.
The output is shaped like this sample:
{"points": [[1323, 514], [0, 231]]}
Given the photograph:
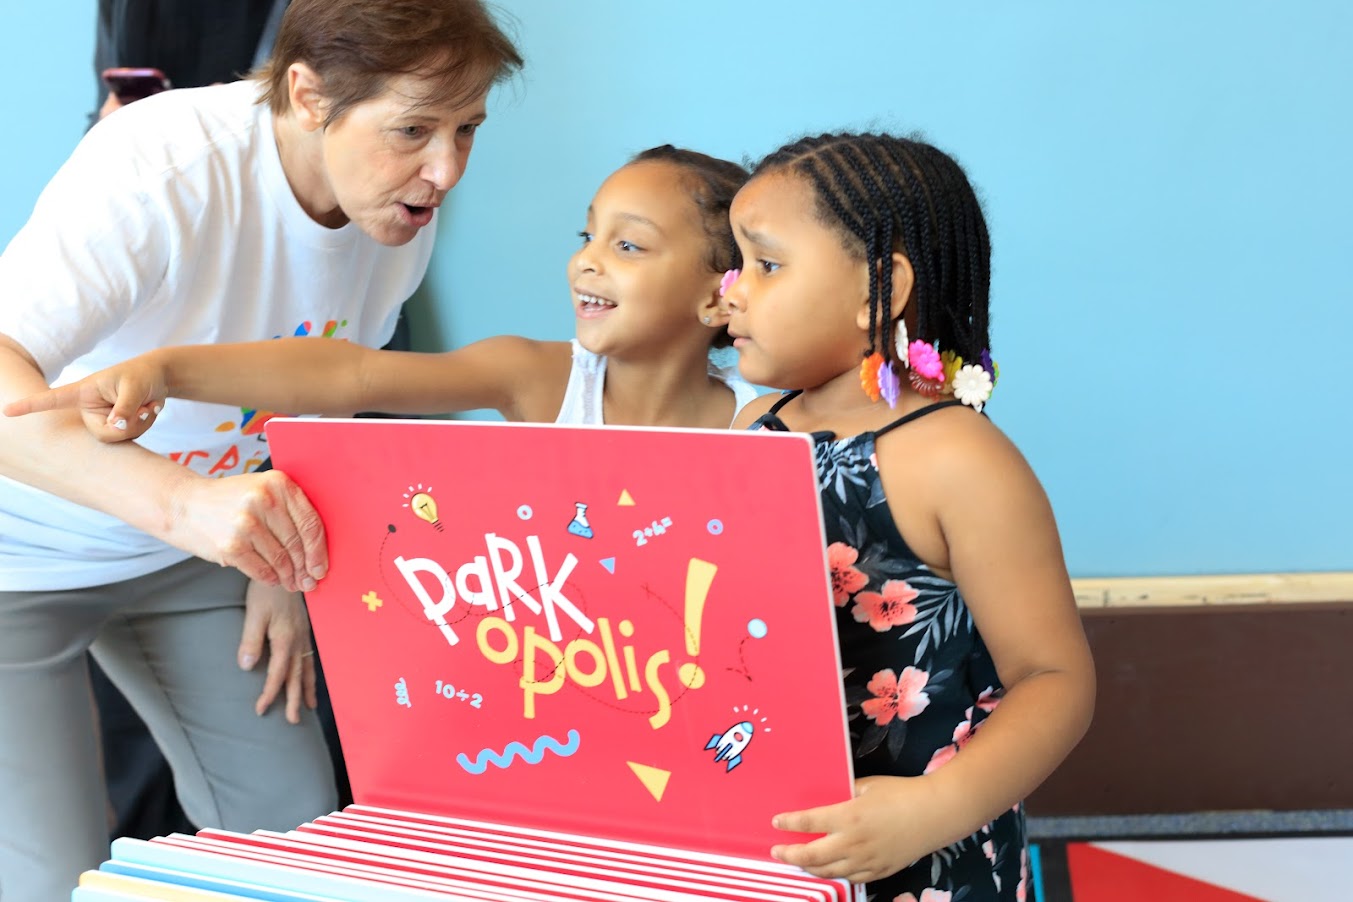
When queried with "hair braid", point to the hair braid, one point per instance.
{"points": [[864, 229], [979, 261], [965, 311], [873, 174], [883, 194], [972, 253], [951, 330], [937, 207], [917, 243]]}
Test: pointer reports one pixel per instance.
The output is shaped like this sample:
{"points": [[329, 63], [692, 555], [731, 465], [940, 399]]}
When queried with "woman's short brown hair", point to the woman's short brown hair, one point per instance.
{"points": [[356, 45]]}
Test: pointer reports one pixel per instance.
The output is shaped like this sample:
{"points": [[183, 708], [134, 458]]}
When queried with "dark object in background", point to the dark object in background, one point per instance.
{"points": [[193, 42], [131, 84]]}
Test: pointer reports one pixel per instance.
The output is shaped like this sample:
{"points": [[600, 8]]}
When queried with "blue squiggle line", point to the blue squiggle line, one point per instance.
{"points": [[517, 750]]}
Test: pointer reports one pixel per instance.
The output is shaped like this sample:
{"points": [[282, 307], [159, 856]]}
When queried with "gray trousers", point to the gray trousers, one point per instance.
{"points": [[168, 640]]}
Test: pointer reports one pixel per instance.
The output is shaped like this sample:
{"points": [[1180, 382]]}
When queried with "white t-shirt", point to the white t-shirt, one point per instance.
{"points": [[586, 380], [173, 223]]}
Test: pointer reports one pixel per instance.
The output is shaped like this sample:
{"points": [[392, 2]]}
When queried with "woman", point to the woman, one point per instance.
{"points": [[299, 202]]}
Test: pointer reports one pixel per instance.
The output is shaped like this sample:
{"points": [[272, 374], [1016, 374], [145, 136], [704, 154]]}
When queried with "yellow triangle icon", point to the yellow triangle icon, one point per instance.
{"points": [[653, 778], [625, 499]]}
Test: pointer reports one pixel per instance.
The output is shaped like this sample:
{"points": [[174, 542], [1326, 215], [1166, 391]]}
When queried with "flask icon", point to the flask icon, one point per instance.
{"points": [[579, 525]]}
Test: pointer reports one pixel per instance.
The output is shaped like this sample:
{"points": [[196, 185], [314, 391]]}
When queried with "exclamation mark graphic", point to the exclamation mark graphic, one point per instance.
{"points": [[699, 577]]}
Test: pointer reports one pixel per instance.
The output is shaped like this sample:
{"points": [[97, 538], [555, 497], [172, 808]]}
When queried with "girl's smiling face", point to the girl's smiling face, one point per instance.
{"points": [[640, 278], [800, 308]]}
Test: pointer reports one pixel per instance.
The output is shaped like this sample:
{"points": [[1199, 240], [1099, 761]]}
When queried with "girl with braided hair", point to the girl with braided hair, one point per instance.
{"points": [[966, 670], [646, 286]]}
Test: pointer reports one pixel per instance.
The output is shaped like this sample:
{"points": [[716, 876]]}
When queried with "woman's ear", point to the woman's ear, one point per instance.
{"points": [[904, 279], [305, 90]]}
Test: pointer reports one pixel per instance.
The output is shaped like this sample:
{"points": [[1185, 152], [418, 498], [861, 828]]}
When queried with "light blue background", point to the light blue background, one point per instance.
{"points": [[1167, 186]]}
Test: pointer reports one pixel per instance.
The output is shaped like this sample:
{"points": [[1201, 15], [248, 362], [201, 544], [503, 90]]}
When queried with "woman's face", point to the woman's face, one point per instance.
{"points": [[387, 163]]}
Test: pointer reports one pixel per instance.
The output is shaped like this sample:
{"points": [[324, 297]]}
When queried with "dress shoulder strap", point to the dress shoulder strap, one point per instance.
{"points": [[769, 420], [916, 415], [582, 403], [785, 399]]}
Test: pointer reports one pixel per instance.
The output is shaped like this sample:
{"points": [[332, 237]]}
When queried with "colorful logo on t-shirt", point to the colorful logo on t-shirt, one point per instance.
{"points": [[250, 454], [252, 421]]}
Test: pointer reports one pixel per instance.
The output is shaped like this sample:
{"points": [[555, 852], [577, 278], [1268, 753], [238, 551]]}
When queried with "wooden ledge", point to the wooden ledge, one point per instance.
{"points": [[1216, 693], [1204, 591]]}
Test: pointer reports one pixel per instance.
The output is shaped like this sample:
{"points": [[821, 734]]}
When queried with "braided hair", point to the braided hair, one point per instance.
{"points": [[882, 194], [712, 183]]}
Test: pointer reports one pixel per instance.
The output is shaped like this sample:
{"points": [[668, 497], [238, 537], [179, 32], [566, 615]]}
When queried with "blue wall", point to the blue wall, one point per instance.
{"points": [[48, 49], [1166, 186]]}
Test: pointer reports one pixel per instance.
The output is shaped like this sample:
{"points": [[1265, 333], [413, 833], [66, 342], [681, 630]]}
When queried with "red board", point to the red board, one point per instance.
{"points": [[614, 632]]}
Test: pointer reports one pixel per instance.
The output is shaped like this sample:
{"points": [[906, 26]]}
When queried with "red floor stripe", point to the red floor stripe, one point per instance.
{"points": [[1101, 876]]}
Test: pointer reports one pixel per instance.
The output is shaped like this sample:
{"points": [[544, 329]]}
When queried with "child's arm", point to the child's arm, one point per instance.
{"points": [[259, 522], [987, 514], [306, 375]]}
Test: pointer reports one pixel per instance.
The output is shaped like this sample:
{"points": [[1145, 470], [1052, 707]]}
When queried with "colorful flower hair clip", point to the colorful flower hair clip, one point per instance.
{"points": [[952, 363], [927, 370], [727, 281], [888, 375], [925, 360], [992, 367], [932, 373], [930, 388], [890, 387], [973, 386], [869, 375]]}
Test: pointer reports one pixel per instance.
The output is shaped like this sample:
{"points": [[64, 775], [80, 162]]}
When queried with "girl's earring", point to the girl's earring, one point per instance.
{"points": [[707, 320], [901, 342]]}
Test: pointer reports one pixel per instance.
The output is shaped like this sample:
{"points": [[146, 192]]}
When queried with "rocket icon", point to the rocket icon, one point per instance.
{"points": [[731, 743]]}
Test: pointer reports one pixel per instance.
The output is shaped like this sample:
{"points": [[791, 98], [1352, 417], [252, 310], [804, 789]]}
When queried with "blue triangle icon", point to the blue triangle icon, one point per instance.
{"points": [[609, 564]]}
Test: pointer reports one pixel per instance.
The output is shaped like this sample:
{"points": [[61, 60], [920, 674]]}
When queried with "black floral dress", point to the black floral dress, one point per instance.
{"points": [[919, 681]]}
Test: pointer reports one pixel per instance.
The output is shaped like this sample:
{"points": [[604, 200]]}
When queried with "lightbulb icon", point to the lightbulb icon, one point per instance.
{"points": [[424, 507]]}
